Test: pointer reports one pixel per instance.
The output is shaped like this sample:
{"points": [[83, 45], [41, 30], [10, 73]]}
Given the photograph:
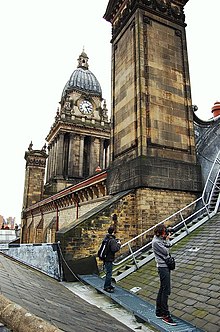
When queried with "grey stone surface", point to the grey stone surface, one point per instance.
{"points": [[195, 293], [40, 256], [48, 299]]}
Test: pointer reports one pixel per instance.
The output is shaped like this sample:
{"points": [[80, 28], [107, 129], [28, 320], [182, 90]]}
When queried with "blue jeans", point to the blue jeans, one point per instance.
{"points": [[108, 277], [164, 292]]}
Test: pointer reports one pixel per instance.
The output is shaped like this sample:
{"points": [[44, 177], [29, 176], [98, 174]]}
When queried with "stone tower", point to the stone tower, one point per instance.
{"points": [[34, 175], [152, 120], [78, 141]]}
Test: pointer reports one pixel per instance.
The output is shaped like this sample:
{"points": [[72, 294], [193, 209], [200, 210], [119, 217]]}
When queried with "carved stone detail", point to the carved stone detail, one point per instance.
{"points": [[174, 9], [36, 162], [146, 20], [178, 33]]}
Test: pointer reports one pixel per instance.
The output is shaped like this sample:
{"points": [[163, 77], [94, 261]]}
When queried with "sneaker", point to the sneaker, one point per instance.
{"points": [[109, 290], [112, 287], [159, 315], [168, 320]]}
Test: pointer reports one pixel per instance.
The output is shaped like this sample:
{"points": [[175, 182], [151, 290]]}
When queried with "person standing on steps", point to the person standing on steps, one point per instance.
{"points": [[160, 245], [113, 245]]}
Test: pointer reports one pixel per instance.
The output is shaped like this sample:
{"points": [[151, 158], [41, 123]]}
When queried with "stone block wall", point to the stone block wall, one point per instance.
{"points": [[133, 214], [34, 189]]}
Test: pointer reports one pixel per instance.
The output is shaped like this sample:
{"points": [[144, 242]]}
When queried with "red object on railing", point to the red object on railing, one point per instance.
{"points": [[216, 109]]}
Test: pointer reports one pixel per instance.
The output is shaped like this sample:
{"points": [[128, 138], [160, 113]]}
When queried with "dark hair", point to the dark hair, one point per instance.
{"points": [[159, 229], [111, 229]]}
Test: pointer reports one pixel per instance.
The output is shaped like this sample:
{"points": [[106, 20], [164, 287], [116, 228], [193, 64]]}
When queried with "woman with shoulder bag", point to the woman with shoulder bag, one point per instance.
{"points": [[160, 245]]}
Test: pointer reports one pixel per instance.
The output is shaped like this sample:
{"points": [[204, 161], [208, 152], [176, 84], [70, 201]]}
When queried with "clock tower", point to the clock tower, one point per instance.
{"points": [[153, 142], [78, 141]]}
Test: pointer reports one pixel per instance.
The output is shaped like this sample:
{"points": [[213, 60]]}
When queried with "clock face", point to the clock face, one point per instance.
{"points": [[85, 107]]}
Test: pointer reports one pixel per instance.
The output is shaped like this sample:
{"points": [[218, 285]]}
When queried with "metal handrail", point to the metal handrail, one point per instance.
{"points": [[216, 161], [204, 206]]}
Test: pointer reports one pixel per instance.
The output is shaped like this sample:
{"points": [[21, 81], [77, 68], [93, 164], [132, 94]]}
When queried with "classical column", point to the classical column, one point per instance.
{"points": [[94, 155], [48, 164], [71, 156], [101, 153], [106, 154], [59, 155], [54, 164], [81, 155]]}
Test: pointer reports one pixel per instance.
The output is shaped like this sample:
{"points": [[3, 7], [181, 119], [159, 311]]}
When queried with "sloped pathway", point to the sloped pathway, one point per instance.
{"points": [[143, 310]]}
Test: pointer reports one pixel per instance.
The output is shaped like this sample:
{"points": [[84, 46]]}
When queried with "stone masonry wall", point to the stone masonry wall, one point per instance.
{"points": [[133, 214], [34, 190]]}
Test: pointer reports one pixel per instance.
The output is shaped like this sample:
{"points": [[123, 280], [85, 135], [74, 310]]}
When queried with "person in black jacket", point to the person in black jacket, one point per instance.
{"points": [[112, 247]]}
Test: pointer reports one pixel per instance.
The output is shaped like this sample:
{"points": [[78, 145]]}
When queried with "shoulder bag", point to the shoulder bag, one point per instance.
{"points": [[170, 261]]}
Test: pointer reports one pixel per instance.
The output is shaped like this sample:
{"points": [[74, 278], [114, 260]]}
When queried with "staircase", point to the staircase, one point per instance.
{"points": [[183, 223]]}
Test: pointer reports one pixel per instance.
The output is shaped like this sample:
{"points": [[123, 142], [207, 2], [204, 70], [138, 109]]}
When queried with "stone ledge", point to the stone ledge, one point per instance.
{"points": [[20, 320]]}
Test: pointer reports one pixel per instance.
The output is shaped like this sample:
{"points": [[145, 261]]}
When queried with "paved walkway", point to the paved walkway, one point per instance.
{"points": [[143, 310]]}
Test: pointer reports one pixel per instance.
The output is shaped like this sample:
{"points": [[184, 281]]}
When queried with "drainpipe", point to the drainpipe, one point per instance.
{"points": [[77, 207]]}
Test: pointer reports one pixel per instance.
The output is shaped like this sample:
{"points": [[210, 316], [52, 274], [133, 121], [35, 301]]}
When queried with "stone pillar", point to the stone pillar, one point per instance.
{"points": [[101, 153], [48, 164], [34, 176], [153, 141], [71, 156], [54, 164], [81, 155], [76, 152], [59, 155], [92, 156], [94, 159], [105, 154]]}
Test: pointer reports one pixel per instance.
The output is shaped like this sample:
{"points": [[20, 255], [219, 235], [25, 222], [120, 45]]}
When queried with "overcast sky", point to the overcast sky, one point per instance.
{"points": [[40, 44]]}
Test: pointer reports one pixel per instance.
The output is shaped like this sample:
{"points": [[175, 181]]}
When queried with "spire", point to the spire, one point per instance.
{"points": [[83, 60], [30, 148]]}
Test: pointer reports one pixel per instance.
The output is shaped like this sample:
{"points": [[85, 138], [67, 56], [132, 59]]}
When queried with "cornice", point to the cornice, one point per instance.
{"points": [[118, 12], [35, 158], [78, 128], [93, 180]]}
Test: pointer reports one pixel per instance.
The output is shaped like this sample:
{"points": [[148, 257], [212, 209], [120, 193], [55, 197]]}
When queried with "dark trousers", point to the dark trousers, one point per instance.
{"points": [[108, 277], [164, 292]]}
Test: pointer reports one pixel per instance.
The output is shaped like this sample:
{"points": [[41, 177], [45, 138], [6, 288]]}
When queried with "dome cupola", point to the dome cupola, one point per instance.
{"points": [[82, 79]]}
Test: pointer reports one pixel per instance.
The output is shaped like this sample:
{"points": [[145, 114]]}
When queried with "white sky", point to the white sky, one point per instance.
{"points": [[40, 44]]}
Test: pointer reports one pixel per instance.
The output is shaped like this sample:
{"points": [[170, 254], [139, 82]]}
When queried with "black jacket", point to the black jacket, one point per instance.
{"points": [[113, 247]]}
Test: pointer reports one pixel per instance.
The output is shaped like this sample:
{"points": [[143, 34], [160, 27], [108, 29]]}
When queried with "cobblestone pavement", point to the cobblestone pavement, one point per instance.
{"points": [[195, 281], [51, 301]]}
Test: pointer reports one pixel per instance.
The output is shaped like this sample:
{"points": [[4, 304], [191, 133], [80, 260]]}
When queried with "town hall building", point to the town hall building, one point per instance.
{"points": [[131, 168]]}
